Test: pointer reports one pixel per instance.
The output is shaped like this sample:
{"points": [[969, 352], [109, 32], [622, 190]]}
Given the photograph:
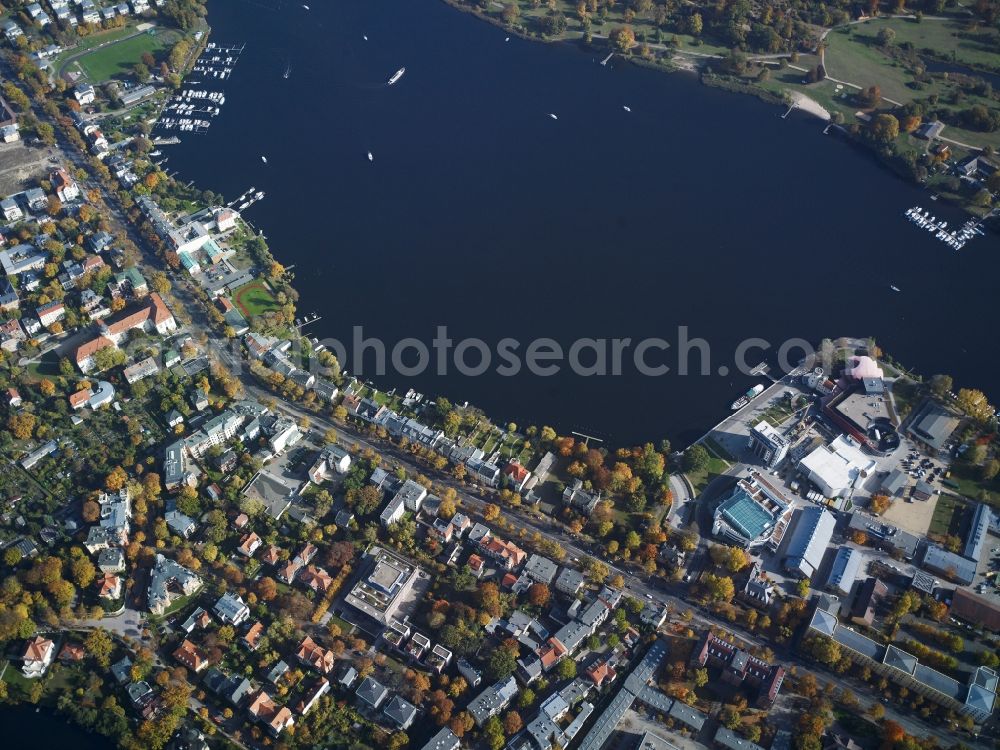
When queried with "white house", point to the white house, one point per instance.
{"points": [[38, 656]]}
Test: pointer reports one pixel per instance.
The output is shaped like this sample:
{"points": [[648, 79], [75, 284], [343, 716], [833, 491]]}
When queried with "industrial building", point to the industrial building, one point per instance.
{"points": [[810, 537], [843, 574], [838, 468]]}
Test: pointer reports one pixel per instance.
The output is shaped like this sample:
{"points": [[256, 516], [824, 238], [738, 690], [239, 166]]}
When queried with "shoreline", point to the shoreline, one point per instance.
{"points": [[686, 61]]}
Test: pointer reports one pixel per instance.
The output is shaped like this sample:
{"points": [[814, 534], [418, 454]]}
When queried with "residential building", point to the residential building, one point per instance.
{"points": [[576, 497], [165, 580], [371, 693], [313, 693], [64, 185], [541, 569], [144, 368], [569, 581], [445, 739], [249, 544], [191, 656], [37, 657], [768, 444], [262, 708], [400, 713], [231, 609], [492, 700], [182, 525]]}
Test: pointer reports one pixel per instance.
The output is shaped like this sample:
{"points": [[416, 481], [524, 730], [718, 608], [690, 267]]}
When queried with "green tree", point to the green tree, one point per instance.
{"points": [[501, 664], [493, 733], [696, 458], [566, 669], [884, 128]]}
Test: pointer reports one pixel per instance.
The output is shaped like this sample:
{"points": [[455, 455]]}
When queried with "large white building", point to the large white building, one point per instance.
{"points": [[838, 468]]}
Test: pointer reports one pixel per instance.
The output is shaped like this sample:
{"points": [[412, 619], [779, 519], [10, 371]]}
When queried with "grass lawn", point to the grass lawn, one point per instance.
{"points": [[947, 518], [854, 57], [118, 58], [904, 395], [943, 39], [717, 450], [47, 366], [966, 476], [700, 479], [91, 41], [255, 298]]}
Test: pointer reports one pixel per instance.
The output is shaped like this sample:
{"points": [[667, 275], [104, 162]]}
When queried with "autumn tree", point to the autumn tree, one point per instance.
{"points": [[973, 402], [99, 645], [21, 426], [512, 723], [538, 594], [884, 128], [879, 504], [719, 588], [623, 39]]}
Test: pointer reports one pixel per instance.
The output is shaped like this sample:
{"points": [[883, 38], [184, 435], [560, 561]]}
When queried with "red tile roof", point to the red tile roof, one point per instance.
{"points": [[90, 348]]}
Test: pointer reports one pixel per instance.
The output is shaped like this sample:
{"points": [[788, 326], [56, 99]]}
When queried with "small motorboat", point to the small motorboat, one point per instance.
{"points": [[626, 108], [554, 117], [894, 288], [370, 156], [263, 159]]}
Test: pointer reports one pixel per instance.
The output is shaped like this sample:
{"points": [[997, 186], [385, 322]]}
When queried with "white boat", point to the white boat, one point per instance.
{"points": [[894, 288], [263, 159], [626, 108], [397, 75], [553, 116], [370, 157], [365, 38], [507, 39], [306, 7]]}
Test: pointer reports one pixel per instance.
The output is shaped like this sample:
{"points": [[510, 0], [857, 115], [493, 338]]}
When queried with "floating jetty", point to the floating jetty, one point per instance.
{"points": [[955, 238], [193, 108]]}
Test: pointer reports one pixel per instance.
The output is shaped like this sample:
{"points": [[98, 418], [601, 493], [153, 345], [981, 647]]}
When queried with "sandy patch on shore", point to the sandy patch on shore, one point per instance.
{"points": [[811, 106]]}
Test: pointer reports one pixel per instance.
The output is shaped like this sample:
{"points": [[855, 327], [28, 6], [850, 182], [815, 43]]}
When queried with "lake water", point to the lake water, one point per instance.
{"points": [[23, 727], [698, 208]]}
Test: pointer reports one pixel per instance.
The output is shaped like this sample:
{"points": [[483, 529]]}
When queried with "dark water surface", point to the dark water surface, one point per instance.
{"points": [[23, 727], [699, 208]]}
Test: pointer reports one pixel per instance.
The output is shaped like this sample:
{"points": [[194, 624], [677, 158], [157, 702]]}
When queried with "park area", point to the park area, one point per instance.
{"points": [[119, 58], [255, 298]]}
